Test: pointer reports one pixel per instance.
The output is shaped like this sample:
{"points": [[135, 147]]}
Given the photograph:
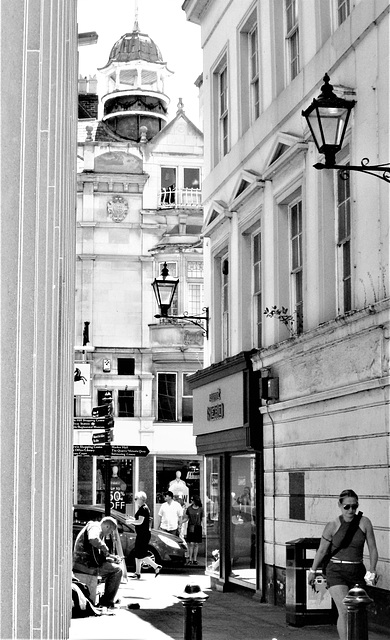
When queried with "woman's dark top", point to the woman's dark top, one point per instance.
{"points": [[354, 551], [143, 532]]}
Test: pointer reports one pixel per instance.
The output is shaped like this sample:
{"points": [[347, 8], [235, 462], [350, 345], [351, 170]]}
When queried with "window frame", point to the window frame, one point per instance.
{"points": [[344, 245], [131, 394], [296, 268], [166, 373], [254, 78], [221, 118], [183, 396], [225, 301], [339, 6], [292, 40], [257, 295]]}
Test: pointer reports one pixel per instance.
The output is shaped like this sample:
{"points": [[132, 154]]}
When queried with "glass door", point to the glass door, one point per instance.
{"points": [[243, 519]]}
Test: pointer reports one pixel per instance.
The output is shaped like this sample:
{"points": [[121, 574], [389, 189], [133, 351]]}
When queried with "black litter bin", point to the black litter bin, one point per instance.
{"points": [[305, 604]]}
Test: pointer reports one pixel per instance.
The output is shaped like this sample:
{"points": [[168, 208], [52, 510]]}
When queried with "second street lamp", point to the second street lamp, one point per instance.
{"points": [[164, 289], [328, 117]]}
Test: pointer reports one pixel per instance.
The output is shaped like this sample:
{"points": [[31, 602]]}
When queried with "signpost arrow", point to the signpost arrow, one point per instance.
{"points": [[88, 423], [101, 437], [124, 450], [109, 450]]}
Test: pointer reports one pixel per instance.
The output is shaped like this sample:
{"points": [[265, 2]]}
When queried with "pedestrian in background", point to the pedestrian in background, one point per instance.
{"points": [[141, 521], [343, 542], [194, 515], [170, 515]]}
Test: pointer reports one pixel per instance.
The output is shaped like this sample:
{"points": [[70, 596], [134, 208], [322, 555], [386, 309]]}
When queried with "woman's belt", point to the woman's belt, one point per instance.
{"points": [[346, 561]]}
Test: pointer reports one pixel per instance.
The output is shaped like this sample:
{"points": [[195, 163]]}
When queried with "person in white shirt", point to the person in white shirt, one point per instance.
{"points": [[170, 515]]}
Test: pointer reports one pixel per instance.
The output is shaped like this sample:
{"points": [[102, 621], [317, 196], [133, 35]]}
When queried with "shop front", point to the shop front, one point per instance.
{"points": [[228, 430], [154, 474]]}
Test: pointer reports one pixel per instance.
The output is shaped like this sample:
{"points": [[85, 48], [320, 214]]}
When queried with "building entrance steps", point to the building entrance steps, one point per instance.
{"points": [[225, 615]]}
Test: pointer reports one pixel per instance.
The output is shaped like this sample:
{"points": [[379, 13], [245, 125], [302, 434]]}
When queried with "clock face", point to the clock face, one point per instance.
{"points": [[106, 365]]}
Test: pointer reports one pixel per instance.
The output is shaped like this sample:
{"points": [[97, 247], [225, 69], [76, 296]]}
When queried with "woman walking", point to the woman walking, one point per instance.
{"points": [[141, 522], [195, 517], [343, 540]]}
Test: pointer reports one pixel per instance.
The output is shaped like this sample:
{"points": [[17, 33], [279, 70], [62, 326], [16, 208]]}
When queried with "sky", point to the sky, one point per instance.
{"points": [[165, 22]]}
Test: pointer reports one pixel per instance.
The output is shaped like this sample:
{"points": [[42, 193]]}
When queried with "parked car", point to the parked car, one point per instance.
{"points": [[164, 548]]}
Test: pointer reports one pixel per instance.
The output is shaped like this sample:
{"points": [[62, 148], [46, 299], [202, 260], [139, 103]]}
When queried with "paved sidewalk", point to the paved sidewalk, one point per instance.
{"points": [[225, 615]]}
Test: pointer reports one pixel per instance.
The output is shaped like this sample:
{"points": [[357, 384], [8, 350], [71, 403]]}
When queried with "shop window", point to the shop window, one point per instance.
{"points": [[84, 479], [243, 519], [125, 403], [212, 511], [181, 476], [126, 366], [187, 400], [296, 482], [166, 397], [121, 484]]}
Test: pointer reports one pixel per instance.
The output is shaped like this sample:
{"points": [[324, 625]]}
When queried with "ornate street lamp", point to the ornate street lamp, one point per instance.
{"points": [[164, 289], [328, 117]]}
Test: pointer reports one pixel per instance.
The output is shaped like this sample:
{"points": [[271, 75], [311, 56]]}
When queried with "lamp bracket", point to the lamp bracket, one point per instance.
{"points": [[381, 171], [196, 320]]}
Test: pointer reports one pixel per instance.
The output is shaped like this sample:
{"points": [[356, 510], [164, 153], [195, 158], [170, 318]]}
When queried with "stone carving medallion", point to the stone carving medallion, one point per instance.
{"points": [[117, 208]]}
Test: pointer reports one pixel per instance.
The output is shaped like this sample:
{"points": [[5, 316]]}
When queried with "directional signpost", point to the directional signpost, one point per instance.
{"points": [[102, 418]]}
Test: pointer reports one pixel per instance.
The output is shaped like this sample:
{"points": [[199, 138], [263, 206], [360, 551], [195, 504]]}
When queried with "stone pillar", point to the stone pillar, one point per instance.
{"points": [[38, 186]]}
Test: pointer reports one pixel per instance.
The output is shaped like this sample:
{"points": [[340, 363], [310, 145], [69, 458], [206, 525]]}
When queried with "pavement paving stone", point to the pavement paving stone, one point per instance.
{"points": [[161, 615]]}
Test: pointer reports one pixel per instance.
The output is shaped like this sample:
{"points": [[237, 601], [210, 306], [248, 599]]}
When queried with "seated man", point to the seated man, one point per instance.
{"points": [[91, 555]]}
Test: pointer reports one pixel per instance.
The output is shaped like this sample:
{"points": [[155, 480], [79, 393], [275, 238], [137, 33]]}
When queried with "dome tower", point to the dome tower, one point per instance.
{"points": [[135, 98]]}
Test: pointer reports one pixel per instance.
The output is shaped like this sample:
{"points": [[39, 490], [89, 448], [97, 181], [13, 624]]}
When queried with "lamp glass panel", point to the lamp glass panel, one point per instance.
{"points": [[312, 119], [333, 122], [166, 291]]}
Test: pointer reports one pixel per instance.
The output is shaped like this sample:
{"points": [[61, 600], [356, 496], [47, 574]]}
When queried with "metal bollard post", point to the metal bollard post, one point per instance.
{"points": [[192, 600], [356, 602]]}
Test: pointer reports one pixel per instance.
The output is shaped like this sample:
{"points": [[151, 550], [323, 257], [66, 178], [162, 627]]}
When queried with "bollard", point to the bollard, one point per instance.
{"points": [[192, 600], [356, 602]]}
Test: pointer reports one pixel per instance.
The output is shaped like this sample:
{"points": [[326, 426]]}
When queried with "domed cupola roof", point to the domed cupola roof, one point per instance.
{"points": [[135, 46]]}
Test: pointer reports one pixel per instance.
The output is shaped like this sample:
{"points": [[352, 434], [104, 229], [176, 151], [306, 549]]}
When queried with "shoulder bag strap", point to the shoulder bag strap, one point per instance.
{"points": [[349, 533]]}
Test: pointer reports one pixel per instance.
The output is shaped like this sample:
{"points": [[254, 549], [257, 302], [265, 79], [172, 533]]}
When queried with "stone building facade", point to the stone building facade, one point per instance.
{"points": [[139, 206], [310, 415]]}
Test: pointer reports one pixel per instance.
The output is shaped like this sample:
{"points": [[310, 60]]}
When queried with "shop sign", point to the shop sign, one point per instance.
{"points": [[82, 379], [219, 403], [216, 411]]}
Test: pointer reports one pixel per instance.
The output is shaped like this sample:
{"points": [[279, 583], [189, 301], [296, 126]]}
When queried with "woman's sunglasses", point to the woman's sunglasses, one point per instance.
{"points": [[347, 507]]}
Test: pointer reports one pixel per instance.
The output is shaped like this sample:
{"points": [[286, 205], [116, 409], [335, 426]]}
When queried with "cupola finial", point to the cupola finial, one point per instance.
{"points": [[136, 26], [180, 106]]}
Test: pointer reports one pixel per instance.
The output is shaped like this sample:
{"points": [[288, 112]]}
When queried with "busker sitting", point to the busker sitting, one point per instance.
{"points": [[92, 556]]}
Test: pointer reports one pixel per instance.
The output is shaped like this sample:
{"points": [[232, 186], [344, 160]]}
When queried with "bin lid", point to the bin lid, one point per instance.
{"points": [[305, 542]]}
